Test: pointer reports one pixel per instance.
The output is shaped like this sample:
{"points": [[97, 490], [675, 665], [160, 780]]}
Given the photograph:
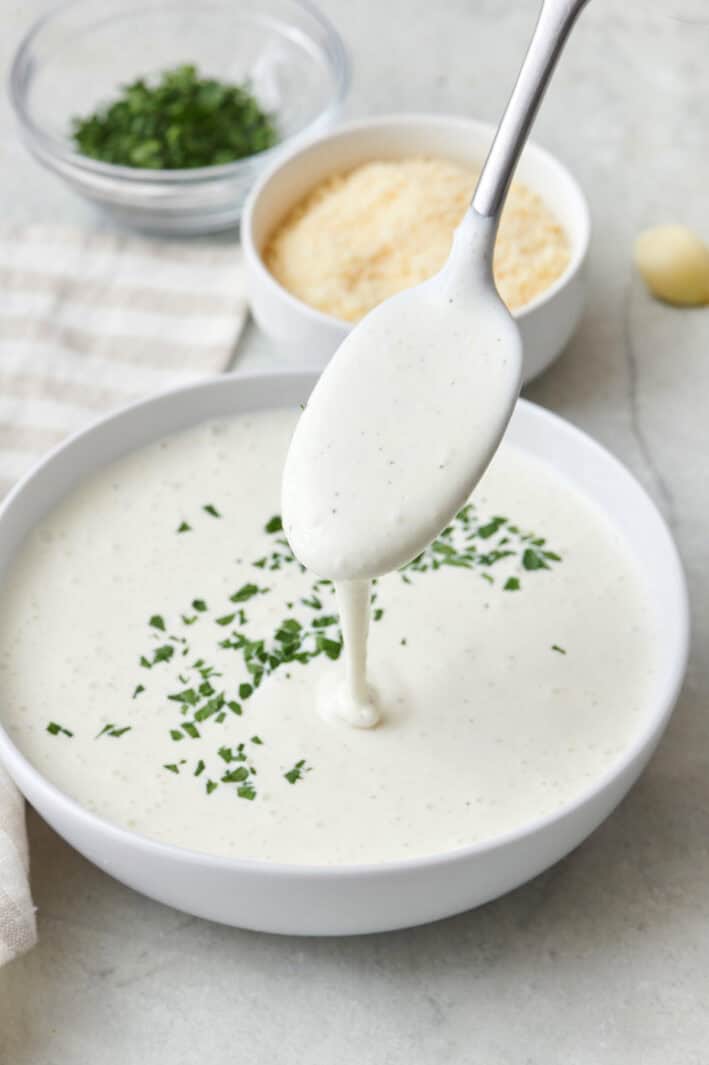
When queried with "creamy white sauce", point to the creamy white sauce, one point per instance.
{"points": [[404, 419], [398, 431], [483, 725], [353, 701]]}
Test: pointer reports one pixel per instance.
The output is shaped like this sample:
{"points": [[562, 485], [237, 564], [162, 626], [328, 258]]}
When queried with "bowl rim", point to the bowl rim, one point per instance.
{"points": [[51, 147], [662, 701], [254, 258]]}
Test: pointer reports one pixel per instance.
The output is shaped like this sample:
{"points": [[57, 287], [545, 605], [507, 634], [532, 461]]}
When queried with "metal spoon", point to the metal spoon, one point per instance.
{"points": [[408, 413]]}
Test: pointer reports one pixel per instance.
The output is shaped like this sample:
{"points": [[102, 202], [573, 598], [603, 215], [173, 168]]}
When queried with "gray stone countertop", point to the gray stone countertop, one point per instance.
{"points": [[604, 958]]}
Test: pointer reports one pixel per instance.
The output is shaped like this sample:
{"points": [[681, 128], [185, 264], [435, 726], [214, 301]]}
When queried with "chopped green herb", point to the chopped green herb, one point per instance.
{"points": [[181, 121], [113, 730], [296, 773], [137, 690], [184, 527], [55, 729], [245, 690], [211, 509], [199, 605], [332, 648], [246, 791], [555, 647], [164, 653], [257, 740], [532, 560], [512, 584], [157, 622], [189, 697], [247, 591], [234, 776], [274, 524], [211, 786], [200, 768], [172, 767], [226, 619]]}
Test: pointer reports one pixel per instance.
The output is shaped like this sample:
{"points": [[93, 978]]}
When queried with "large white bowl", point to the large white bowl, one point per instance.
{"points": [[321, 900], [309, 337]]}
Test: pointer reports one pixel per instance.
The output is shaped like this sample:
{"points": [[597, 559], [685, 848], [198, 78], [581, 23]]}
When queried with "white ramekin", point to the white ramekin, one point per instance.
{"points": [[308, 337], [341, 900]]}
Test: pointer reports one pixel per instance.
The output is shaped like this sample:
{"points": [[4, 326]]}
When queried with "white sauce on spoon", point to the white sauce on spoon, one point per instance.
{"points": [[398, 431], [404, 419]]}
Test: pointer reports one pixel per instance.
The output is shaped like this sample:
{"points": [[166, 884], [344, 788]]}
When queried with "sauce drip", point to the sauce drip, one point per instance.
{"points": [[398, 431]]}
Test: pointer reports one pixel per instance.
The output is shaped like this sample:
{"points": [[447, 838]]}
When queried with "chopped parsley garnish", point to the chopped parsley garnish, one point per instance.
{"points": [[491, 548], [137, 690], [178, 121], [532, 560], [188, 696], [56, 730], [296, 773], [114, 730], [247, 591], [468, 544], [161, 654], [233, 776], [184, 527]]}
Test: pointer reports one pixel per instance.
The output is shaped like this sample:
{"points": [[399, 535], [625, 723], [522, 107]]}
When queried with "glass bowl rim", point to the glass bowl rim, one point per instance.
{"points": [[52, 147]]}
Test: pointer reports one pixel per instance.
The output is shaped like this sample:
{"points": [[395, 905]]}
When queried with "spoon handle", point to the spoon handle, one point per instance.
{"points": [[554, 25]]}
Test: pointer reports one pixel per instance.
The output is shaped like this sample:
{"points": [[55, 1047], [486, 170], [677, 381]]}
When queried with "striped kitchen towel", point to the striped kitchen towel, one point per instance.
{"points": [[90, 321]]}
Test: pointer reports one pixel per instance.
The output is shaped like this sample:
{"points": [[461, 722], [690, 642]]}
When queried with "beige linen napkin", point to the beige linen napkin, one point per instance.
{"points": [[91, 321]]}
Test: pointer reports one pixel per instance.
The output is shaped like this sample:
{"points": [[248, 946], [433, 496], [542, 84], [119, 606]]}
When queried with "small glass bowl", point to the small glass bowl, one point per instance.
{"points": [[76, 57]]}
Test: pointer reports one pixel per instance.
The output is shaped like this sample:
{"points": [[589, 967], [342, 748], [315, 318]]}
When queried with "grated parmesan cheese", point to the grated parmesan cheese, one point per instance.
{"points": [[360, 237]]}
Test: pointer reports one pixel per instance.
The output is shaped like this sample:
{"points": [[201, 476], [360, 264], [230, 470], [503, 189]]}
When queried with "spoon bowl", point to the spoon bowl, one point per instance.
{"points": [[403, 423]]}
